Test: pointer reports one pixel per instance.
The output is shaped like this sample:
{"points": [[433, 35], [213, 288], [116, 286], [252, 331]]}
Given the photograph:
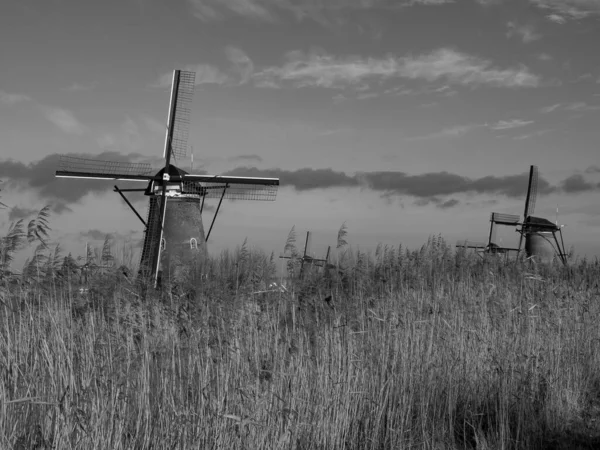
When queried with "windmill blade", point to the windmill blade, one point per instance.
{"points": [[236, 188], [531, 192], [76, 167], [178, 121]]}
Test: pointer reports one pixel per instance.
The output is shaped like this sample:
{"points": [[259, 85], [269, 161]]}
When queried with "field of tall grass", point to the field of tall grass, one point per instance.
{"points": [[399, 349]]}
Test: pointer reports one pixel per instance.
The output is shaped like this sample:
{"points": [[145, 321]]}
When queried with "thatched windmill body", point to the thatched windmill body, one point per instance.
{"points": [[174, 232]]}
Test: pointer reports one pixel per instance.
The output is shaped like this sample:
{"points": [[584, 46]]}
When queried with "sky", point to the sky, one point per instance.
{"points": [[402, 119]]}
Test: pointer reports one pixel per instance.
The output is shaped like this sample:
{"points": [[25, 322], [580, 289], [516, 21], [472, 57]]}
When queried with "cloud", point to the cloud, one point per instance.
{"points": [[302, 179], [533, 134], [12, 99], [205, 74], [450, 132], [17, 213], [545, 57], [527, 33], [551, 108], [449, 204], [323, 12], [510, 124], [576, 184], [572, 107], [436, 187], [488, 2], [426, 186], [593, 169], [581, 107], [39, 176], [206, 10], [444, 183], [77, 87], [318, 69], [63, 119], [246, 158], [241, 62], [562, 10]]}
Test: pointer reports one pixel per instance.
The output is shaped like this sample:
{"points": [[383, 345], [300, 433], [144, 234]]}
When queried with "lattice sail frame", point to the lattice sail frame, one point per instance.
{"points": [[181, 111], [75, 164], [230, 191], [531, 192]]}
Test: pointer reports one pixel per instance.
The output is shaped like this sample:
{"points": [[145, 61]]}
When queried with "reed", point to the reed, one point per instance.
{"points": [[401, 349]]}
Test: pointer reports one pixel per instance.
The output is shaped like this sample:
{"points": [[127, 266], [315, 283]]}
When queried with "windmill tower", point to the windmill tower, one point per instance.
{"points": [[174, 232]]}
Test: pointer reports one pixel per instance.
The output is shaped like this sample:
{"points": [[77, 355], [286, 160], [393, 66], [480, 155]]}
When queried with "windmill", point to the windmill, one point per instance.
{"points": [[306, 258], [174, 233], [537, 232]]}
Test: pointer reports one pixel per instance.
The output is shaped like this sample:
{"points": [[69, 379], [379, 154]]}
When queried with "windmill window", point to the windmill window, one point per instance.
{"points": [[193, 243]]}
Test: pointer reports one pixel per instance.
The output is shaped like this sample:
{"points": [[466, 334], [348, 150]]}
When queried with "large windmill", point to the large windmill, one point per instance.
{"points": [[540, 235], [174, 232]]}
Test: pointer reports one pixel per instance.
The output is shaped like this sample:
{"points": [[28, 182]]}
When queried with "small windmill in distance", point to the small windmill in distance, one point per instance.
{"points": [[305, 258], [174, 232], [537, 232]]}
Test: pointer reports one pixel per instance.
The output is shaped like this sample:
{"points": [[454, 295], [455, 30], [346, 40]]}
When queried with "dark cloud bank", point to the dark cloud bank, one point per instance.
{"points": [[429, 188]]}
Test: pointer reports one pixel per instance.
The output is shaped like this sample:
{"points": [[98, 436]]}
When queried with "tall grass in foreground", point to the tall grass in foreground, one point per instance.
{"points": [[397, 350]]}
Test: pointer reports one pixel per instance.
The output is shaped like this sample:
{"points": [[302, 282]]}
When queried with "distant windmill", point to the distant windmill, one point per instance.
{"points": [[306, 258], [537, 232], [174, 232]]}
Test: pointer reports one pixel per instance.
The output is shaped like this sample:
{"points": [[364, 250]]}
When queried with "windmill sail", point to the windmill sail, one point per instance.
{"points": [[232, 188], [531, 192], [77, 167], [182, 92]]}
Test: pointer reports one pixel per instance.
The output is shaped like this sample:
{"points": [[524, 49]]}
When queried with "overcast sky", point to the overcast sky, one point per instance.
{"points": [[402, 118]]}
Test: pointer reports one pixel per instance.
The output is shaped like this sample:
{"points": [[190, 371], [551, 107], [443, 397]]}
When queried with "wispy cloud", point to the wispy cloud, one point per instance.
{"points": [[63, 119], [324, 12], [556, 18], [242, 64], [77, 87], [527, 33], [562, 10], [318, 69], [205, 74], [207, 10], [510, 124], [12, 99], [532, 134], [450, 132], [581, 107], [551, 108]]}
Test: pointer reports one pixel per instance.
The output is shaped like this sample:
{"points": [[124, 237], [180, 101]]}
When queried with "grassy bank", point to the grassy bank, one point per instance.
{"points": [[423, 349]]}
